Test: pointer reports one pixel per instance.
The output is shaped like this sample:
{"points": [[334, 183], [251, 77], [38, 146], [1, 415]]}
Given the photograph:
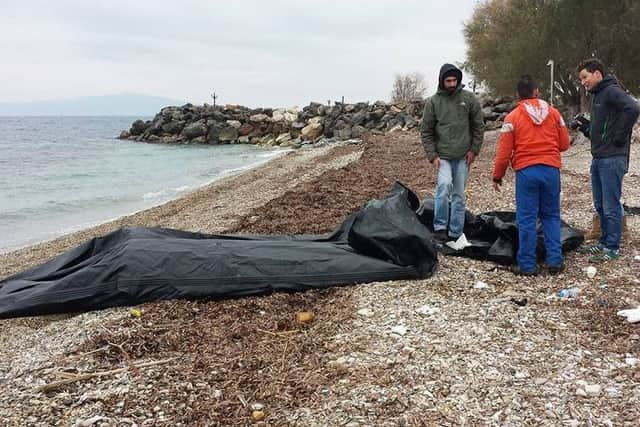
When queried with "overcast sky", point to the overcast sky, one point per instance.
{"points": [[254, 53]]}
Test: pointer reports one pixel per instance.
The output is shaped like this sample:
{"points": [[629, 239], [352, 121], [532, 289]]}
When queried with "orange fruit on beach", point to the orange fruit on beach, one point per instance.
{"points": [[304, 316], [258, 415]]}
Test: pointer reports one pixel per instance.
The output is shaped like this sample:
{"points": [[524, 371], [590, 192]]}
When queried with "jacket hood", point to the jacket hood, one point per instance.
{"points": [[447, 68], [536, 109], [608, 80]]}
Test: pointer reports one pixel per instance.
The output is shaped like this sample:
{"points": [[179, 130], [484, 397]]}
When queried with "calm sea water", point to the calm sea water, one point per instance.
{"points": [[60, 174]]}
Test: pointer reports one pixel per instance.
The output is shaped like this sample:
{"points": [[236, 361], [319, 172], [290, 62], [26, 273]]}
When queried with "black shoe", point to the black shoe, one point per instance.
{"points": [[555, 269], [515, 269], [441, 235]]}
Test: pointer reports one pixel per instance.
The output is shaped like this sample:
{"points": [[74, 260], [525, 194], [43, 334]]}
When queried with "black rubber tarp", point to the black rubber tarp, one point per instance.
{"points": [[494, 235], [383, 241]]}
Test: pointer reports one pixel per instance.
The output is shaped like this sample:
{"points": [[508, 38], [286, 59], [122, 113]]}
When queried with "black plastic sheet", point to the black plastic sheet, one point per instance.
{"points": [[383, 241], [494, 235]]}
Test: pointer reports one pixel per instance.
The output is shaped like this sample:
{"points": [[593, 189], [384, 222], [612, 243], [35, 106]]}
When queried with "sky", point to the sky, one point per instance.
{"points": [[276, 53]]}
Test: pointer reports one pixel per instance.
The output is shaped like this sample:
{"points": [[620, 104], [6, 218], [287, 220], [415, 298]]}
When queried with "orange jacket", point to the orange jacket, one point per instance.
{"points": [[534, 133]]}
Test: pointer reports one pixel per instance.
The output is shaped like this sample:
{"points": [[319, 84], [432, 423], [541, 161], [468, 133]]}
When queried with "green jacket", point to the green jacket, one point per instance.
{"points": [[452, 123]]}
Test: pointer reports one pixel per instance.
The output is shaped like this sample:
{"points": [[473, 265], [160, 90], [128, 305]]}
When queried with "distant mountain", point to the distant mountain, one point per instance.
{"points": [[108, 105]]}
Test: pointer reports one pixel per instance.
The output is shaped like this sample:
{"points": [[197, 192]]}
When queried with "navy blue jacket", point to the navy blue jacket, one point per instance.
{"points": [[613, 114]]}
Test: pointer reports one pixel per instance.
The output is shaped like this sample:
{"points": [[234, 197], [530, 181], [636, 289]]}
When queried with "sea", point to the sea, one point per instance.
{"points": [[62, 174]]}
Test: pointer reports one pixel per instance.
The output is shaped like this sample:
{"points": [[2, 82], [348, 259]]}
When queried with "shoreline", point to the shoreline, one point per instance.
{"points": [[193, 211], [66, 230]]}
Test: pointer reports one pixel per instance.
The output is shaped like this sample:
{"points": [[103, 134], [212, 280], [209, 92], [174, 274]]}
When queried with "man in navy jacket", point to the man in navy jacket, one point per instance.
{"points": [[613, 114]]}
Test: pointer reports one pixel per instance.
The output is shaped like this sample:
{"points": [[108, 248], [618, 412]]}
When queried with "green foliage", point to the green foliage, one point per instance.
{"points": [[508, 38]]}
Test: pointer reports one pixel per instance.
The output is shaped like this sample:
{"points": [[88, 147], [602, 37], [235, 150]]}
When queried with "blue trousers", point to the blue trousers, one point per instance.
{"points": [[449, 201], [606, 185], [538, 196]]}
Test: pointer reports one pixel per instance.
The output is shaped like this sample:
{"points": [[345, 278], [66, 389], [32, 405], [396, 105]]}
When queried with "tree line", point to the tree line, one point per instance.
{"points": [[509, 38]]}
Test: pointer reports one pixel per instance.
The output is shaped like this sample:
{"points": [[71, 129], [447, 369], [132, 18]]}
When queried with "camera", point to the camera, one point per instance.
{"points": [[580, 121]]}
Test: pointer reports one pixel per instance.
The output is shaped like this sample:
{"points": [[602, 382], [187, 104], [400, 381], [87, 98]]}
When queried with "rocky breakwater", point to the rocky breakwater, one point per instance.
{"points": [[234, 124], [495, 110]]}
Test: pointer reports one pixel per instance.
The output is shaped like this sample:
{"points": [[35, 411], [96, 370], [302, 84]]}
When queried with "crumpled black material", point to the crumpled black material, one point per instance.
{"points": [[494, 235], [383, 241]]}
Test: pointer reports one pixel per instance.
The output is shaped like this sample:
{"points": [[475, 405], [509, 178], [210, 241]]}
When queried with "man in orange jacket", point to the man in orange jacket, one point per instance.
{"points": [[531, 139]]}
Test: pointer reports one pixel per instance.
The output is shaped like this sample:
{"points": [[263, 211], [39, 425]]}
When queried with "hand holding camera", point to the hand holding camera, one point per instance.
{"points": [[581, 122]]}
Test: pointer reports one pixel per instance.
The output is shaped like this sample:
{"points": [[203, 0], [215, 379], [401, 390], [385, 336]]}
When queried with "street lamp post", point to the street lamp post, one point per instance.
{"points": [[550, 64]]}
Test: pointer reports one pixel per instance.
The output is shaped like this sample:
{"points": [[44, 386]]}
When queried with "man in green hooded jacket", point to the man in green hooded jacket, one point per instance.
{"points": [[452, 130]]}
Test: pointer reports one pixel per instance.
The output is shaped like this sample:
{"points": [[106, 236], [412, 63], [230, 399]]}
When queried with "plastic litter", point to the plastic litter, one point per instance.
{"points": [[480, 285], [399, 330], [632, 314], [520, 302], [569, 293], [459, 244], [427, 310]]}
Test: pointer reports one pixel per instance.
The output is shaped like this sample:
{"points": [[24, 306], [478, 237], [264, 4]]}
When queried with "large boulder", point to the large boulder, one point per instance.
{"points": [[504, 100], [267, 140], [295, 143], [194, 130], [378, 114], [137, 128], [358, 131], [245, 129], [198, 140], [360, 118], [504, 107], [339, 124], [313, 108], [283, 138], [486, 101], [228, 134], [297, 125], [291, 116], [258, 118], [167, 112], [215, 128], [156, 125], [415, 108], [344, 133], [312, 131], [410, 122], [278, 116], [169, 139], [316, 120], [173, 127]]}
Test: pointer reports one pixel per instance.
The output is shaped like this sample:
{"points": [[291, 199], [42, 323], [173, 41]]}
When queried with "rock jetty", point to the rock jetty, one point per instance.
{"points": [[235, 124]]}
